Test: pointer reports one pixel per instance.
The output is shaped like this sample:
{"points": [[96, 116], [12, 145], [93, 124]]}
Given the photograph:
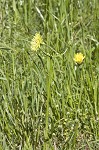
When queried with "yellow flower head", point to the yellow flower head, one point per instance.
{"points": [[78, 58], [36, 42]]}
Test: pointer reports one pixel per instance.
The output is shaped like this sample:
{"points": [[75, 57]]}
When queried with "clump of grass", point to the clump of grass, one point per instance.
{"points": [[47, 101]]}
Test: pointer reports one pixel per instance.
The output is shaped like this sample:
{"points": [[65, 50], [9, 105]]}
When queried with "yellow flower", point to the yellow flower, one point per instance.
{"points": [[78, 58], [36, 42]]}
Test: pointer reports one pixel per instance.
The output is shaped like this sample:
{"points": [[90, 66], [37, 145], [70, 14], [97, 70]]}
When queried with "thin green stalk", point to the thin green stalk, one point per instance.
{"points": [[49, 67]]}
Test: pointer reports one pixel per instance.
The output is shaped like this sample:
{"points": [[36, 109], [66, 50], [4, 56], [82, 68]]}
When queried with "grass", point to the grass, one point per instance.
{"points": [[47, 102]]}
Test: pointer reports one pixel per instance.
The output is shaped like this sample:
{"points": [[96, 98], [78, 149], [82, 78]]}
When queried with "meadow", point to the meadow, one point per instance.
{"points": [[49, 96]]}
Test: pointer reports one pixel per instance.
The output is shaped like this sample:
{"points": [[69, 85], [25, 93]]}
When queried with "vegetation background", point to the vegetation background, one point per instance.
{"points": [[47, 102]]}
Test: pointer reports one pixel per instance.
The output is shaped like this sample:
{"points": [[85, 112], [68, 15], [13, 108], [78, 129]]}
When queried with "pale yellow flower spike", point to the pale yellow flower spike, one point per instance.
{"points": [[78, 58], [36, 42]]}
